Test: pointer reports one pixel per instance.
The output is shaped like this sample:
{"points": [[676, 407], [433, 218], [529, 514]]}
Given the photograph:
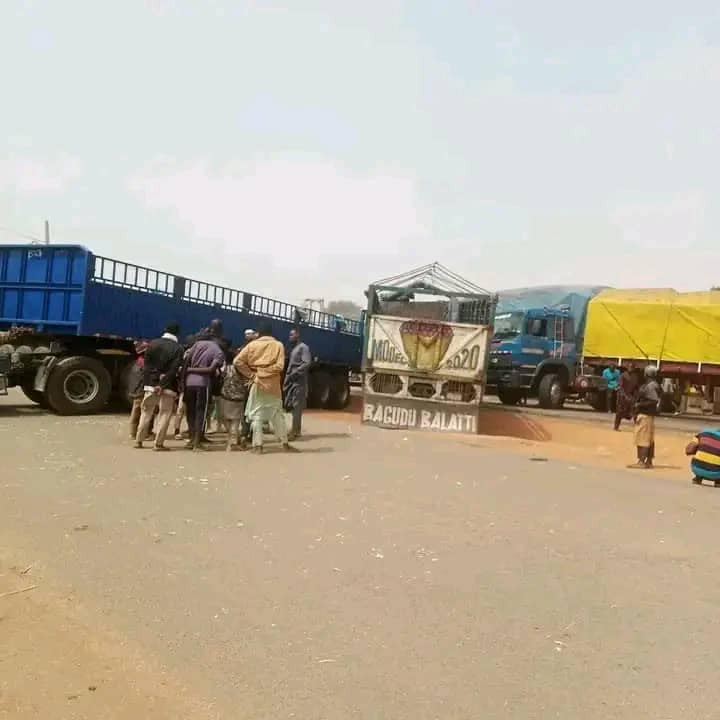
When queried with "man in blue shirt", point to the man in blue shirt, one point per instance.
{"points": [[611, 375]]}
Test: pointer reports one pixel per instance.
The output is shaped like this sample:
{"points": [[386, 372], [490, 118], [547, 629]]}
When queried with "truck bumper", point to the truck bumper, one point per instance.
{"points": [[508, 378]]}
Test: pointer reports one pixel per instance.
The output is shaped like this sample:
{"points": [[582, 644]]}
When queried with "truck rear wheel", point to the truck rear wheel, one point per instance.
{"points": [[509, 396], [320, 388], [78, 386], [597, 400], [339, 392], [551, 394]]}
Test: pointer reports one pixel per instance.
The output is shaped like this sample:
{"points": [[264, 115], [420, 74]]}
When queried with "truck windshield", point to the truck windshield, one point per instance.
{"points": [[508, 325]]}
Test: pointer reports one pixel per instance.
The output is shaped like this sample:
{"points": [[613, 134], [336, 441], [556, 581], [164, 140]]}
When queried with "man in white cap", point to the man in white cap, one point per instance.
{"points": [[647, 406], [250, 335]]}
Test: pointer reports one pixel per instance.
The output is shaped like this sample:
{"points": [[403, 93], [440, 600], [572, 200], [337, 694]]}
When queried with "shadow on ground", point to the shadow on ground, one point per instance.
{"points": [[22, 410], [510, 424]]}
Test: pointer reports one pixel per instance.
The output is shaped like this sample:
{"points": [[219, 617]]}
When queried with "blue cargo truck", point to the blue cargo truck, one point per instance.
{"points": [[69, 319], [537, 347]]}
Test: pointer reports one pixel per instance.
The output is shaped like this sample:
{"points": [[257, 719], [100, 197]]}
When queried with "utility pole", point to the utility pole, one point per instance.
{"points": [[47, 232]]}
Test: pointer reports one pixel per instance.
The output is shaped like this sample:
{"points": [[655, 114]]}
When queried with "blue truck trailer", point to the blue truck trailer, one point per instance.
{"points": [[69, 320]]}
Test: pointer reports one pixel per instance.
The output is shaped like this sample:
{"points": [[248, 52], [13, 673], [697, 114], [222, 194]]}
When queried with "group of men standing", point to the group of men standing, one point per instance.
{"points": [[250, 387]]}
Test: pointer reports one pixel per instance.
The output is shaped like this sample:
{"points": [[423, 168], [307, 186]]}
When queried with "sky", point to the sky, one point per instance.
{"points": [[305, 149]]}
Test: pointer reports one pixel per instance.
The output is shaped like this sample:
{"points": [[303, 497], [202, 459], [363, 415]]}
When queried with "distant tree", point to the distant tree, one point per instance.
{"points": [[347, 308]]}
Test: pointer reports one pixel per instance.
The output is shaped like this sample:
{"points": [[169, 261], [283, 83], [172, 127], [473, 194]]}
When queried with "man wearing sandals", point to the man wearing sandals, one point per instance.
{"points": [[646, 409]]}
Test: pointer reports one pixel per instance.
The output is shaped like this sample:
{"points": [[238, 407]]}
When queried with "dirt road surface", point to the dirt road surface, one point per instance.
{"points": [[377, 575]]}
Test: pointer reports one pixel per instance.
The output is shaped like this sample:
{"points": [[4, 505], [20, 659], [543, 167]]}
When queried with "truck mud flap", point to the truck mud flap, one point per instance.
{"points": [[43, 373]]}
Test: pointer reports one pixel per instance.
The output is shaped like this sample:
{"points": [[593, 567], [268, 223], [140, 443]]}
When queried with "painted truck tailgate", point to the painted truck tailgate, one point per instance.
{"points": [[454, 351]]}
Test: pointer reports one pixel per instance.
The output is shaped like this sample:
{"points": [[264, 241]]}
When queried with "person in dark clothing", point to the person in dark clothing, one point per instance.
{"points": [[180, 409], [626, 391], [203, 363], [135, 385], [646, 409], [295, 385], [163, 359]]}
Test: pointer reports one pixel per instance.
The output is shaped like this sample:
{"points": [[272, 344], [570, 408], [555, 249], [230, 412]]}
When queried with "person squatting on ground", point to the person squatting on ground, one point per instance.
{"points": [[705, 453], [646, 409], [295, 386], [262, 361], [204, 360], [163, 359]]}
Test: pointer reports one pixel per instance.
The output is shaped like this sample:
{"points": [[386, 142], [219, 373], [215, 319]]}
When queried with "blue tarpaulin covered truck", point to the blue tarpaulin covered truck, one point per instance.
{"points": [[69, 319], [537, 345]]}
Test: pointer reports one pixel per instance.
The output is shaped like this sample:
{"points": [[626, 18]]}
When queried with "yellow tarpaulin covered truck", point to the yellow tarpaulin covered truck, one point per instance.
{"points": [[554, 342], [677, 331]]}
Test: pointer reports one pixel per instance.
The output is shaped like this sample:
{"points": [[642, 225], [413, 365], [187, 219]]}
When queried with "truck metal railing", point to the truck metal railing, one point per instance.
{"points": [[142, 279], [133, 277]]}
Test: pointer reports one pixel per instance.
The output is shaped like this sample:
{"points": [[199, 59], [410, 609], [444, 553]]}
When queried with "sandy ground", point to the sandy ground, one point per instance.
{"points": [[377, 575], [581, 436]]}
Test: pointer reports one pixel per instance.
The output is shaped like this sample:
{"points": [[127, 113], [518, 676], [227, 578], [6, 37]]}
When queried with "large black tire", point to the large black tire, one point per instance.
{"points": [[551, 393], [596, 400], [509, 396], [321, 383], [78, 386], [122, 396], [339, 392], [35, 396]]}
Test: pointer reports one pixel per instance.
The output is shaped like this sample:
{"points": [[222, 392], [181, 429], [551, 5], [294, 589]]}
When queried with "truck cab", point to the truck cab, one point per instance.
{"points": [[533, 354]]}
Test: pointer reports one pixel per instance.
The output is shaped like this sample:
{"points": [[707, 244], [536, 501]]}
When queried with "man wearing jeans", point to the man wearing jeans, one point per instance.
{"points": [[163, 359]]}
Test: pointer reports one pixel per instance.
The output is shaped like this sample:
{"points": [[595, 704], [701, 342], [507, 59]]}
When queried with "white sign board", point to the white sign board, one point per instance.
{"points": [[431, 347]]}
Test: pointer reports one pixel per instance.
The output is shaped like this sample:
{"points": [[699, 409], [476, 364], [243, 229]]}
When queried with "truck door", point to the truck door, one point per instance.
{"points": [[536, 343]]}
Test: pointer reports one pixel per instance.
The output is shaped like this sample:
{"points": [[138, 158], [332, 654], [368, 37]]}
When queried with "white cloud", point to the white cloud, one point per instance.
{"points": [[295, 211], [674, 224], [27, 175]]}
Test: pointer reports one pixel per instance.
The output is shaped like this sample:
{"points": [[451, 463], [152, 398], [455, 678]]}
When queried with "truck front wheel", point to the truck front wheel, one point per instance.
{"points": [[596, 400], [551, 394], [78, 386]]}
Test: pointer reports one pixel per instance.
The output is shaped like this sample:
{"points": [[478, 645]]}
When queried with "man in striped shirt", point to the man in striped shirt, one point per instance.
{"points": [[705, 451]]}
